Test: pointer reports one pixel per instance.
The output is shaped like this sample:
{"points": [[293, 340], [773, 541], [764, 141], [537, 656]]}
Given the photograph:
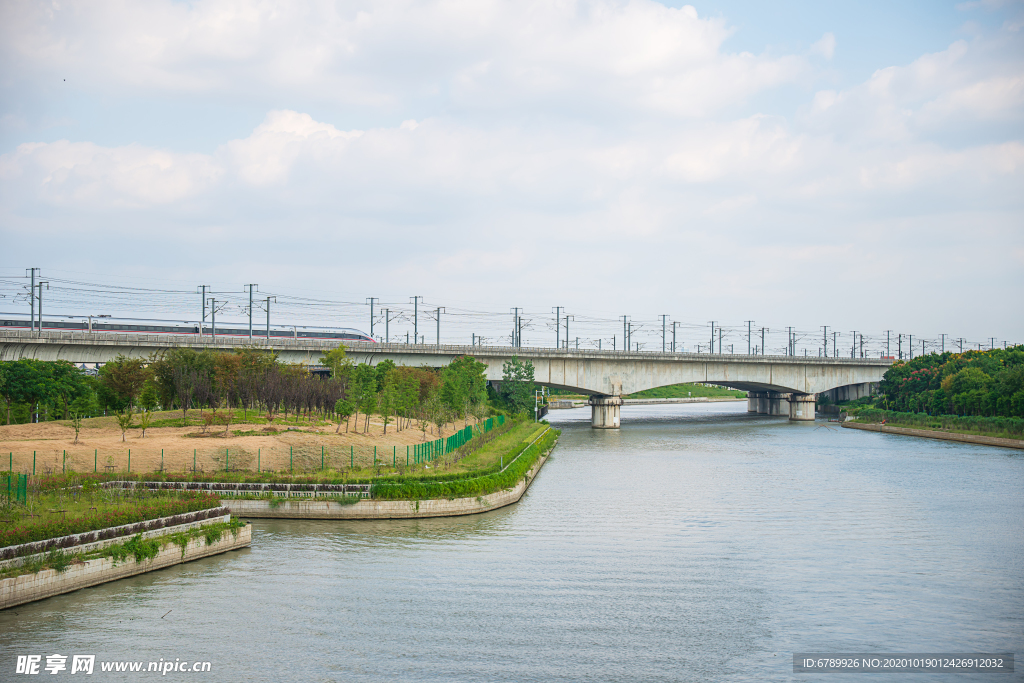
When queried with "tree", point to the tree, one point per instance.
{"points": [[149, 399], [381, 373], [388, 400], [68, 383], [28, 381], [125, 377], [145, 419], [183, 381], [124, 421], [344, 409], [438, 412], [335, 359], [363, 382], [369, 403], [463, 383], [76, 423], [517, 384]]}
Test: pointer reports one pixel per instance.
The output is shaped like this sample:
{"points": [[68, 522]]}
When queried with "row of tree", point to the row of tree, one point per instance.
{"points": [[987, 383], [255, 380]]}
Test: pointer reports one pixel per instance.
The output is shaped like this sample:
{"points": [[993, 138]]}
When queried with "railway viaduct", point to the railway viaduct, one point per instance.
{"points": [[776, 385]]}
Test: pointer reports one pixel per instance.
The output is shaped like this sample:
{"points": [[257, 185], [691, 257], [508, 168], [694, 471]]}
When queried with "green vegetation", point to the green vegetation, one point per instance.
{"points": [[517, 385], [252, 381], [979, 383], [136, 547], [688, 390], [1006, 427], [57, 508], [46, 390], [528, 448]]}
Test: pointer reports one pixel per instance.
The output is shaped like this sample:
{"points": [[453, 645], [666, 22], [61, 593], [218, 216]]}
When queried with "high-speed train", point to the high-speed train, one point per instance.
{"points": [[168, 327]]}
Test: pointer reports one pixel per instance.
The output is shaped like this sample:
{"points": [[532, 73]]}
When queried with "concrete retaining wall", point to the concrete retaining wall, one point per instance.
{"points": [[945, 436], [49, 582], [100, 545], [384, 509], [159, 525]]}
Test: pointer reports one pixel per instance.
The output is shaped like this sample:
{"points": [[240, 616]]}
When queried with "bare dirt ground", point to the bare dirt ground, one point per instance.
{"points": [[100, 446]]}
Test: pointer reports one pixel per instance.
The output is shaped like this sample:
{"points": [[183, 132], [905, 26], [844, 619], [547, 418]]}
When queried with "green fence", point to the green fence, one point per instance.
{"points": [[14, 487], [431, 450]]}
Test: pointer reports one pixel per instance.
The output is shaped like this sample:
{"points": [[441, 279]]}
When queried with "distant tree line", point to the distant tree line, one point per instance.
{"points": [[985, 383], [256, 380]]}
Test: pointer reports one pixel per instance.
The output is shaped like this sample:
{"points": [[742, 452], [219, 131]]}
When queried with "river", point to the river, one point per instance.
{"points": [[697, 543]]}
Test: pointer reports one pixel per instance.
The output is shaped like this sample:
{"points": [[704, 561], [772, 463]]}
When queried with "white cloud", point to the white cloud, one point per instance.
{"points": [[572, 141], [968, 84], [825, 46], [486, 54], [86, 175]]}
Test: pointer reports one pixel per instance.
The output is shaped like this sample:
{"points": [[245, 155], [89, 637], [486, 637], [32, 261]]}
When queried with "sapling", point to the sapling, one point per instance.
{"points": [[124, 421], [76, 423], [145, 419]]}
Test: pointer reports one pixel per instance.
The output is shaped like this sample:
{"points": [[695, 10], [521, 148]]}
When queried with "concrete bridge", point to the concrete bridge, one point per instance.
{"points": [[777, 385]]}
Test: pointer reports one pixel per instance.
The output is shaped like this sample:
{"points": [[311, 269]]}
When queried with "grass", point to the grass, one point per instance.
{"points": [[1000, 427], [687, 391], [61, 512], [528, 451], [490, 454], [136, 548], [937, 427]]}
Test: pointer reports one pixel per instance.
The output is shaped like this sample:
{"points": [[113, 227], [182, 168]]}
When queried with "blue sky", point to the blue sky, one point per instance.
{"points": [[796, 163]]}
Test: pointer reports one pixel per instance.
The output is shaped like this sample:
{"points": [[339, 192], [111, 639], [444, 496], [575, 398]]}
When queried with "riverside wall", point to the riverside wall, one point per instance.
{"points": [[932, 434], [49, 582], [384, 509]]}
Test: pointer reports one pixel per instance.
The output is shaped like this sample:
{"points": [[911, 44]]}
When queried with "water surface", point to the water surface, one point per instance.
{"points": [[697, 543]]}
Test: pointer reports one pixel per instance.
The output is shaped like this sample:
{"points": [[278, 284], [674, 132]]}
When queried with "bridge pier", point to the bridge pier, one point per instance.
{"points": [[753, 401], [604, 411], [773, 404], [801, 407]]}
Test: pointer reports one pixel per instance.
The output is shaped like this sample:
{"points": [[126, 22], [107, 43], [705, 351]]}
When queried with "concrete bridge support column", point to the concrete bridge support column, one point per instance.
{"points": [[604, 412], [763, 402], [753, 401], [777, 403], [801, 407]]}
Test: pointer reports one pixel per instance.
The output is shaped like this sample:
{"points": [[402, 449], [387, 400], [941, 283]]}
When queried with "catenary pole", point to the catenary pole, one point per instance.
{"points": [[558, 325], [416, 319], [39, 317], [250, 288], [202, 298], [32, 298], [268, 314], [371, 300]]}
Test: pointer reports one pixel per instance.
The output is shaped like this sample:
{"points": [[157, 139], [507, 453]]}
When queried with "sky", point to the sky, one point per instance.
{"points": [[794, 164]]}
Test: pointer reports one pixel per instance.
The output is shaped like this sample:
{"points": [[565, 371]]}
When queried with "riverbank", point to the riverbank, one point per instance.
{"points": [[47, 583], [933, 434], [384, 509], [413, 507]]}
